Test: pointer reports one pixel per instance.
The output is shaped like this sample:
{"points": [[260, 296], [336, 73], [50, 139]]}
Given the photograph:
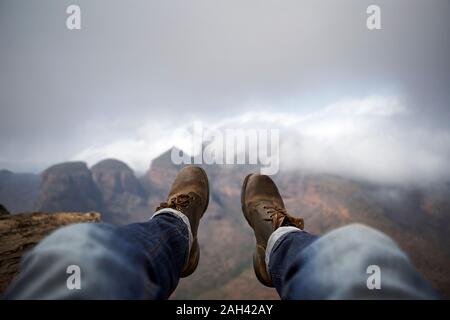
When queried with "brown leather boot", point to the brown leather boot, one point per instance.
{"points": [[190, 195], [264, 210]]}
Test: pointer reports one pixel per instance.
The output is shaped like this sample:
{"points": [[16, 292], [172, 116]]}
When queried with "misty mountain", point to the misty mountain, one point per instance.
{"points": [[18, 191]]}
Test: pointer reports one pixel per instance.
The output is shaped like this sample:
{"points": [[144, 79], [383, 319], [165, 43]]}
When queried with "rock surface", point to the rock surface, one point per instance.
{"points": [[21, 232]]}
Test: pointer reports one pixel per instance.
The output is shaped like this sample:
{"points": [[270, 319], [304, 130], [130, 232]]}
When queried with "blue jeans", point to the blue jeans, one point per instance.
{"points": [[136, 261], [340, 264], [144, 261]]}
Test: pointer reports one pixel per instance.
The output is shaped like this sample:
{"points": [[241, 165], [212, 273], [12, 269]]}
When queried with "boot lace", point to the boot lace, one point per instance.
{"points": [[178, 202], [280, 218]]}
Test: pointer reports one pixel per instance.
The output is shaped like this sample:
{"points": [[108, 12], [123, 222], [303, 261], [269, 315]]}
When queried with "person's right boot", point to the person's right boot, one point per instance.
{"points": [[264, 210]]}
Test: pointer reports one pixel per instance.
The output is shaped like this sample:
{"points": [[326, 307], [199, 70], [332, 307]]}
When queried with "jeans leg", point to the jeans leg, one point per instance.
{"points": [[283, 245], [136, 261], [337, 266]]}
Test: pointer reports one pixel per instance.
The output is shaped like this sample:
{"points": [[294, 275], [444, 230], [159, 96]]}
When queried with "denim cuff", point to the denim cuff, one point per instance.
{"points": [[275, 238], [183, 218]]}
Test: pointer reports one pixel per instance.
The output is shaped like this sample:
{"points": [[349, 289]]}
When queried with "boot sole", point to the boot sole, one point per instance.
{"points": [[195, 249], [259, 256]]}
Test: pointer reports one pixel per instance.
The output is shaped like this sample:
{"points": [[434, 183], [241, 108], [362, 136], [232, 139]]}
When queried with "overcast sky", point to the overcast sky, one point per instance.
{"points": [[139, 73]]}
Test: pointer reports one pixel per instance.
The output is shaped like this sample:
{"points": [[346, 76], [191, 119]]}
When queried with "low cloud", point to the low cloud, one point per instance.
{"points": [[367, 138]]}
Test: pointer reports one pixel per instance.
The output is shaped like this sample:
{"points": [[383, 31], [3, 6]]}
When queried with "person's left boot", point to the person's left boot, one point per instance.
{"points": [[264, 210], [189, 194]]}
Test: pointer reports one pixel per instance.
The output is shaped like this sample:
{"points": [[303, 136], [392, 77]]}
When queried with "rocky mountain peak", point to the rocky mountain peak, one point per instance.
{"points": [[165, 160], [3, 210], [66, 186], [114, 177]]}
